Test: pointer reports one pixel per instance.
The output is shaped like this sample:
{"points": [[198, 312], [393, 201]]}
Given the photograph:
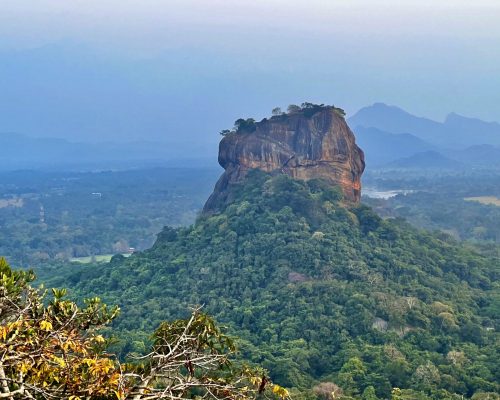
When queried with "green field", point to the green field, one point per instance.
{"points": [[103, 258], [489, 200]]}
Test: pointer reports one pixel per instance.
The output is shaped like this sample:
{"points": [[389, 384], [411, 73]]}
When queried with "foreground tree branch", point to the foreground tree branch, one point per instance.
{"points": [[51, 349]]}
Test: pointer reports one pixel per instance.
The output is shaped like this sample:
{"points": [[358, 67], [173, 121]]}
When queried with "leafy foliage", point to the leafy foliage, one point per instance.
{"points": [[244, 125], [54, 351], [51, 350]]}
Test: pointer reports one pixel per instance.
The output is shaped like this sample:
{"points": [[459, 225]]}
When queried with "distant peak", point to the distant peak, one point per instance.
{"points": [[382, 108], [379, 104], [453, 117]]}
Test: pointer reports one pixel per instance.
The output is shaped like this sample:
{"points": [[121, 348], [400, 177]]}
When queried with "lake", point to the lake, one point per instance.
{"points": [[375, 193]]}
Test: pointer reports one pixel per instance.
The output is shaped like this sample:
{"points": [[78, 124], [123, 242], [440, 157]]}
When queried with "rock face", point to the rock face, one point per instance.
{"points": [[300, 145]]}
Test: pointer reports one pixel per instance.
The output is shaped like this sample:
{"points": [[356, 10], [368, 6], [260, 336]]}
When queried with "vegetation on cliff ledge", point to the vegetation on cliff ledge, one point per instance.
{"points": [[307, 109], [320, 293]]}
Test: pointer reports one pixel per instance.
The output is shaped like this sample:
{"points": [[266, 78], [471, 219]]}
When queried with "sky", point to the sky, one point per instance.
{"points": [[178, 71]]}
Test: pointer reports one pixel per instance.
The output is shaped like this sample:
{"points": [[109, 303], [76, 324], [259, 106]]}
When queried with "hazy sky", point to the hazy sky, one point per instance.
{"points": [[158, 68]]}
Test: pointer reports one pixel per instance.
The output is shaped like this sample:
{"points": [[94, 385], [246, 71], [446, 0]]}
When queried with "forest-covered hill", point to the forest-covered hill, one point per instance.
{"points": [[318, 291]]}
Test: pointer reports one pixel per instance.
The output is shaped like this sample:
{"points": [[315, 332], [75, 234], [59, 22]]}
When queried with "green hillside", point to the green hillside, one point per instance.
{"points": [[319, 291]]}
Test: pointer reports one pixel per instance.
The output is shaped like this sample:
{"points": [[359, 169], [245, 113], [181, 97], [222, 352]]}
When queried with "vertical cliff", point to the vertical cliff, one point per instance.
{"points": [[307, 144]]}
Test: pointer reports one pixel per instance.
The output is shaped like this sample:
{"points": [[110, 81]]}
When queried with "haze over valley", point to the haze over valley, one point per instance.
{"points": [[244, 200]]}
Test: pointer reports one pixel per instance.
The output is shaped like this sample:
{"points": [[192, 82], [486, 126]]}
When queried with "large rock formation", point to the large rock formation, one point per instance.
{"points": [[301, 145]]}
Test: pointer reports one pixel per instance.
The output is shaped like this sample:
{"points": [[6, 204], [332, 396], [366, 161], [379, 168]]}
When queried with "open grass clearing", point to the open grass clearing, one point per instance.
{"points": [[103, 258], [11, 203], [488, 200]]}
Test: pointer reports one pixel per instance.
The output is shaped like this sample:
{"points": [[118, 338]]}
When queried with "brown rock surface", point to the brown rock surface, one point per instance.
{"points": [[318, 146]]}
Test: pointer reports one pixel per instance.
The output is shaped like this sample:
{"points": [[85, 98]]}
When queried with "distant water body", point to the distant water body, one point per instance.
{"points": [[383, 194]]}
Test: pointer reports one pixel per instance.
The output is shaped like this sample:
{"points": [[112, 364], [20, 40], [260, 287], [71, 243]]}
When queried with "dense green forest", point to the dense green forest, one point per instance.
{"points": [[463, 205], [318, 292], [48, 218]]}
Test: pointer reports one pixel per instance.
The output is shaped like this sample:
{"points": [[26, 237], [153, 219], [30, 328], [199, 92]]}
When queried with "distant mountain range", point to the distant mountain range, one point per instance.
{"points": [[426, 159], [389, 136], [393, 137], [23, 152], [382, 147]]}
